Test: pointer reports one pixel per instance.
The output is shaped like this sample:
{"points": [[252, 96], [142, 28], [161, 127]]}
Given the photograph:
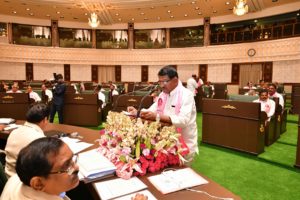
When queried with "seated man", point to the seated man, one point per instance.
{"points": [[47, 92], [14, 89], [249, 85], [272, 93], [33, 95], [267, 105], [36, 121], [45, 170]]}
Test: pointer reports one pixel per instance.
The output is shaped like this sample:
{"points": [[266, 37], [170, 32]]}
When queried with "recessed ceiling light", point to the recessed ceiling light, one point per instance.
{"points": [[31, 14], [142, 13], [47, 15], [117, 14], [222, 25], [255, 20], [185, 15], [227, 3], [214, 11], [120, 19], [158, 18], [132, 19], [171, 16], [178, 4], [197, 8], [57, 12], [193, 2], [152, 7], [298, 14], [15, 12], [169, 11], [85, 14], [199, 13], [27, 9]]}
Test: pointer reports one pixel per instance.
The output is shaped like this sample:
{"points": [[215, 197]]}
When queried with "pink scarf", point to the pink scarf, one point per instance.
{"points": [[161, 103]]}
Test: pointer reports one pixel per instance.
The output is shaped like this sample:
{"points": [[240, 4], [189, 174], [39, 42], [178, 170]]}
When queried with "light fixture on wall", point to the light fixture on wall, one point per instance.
{"points": [[93, 20], [240, 8]]}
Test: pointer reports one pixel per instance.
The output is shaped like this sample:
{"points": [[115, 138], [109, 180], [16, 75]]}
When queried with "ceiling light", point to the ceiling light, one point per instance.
{"points": [[117, 14], [197, 8], [31, 14], [57, 12], [169, 11], [152, 7], [240, 8], [193, 2], [132, 19], [171, 16], [85, 14], [47, 15], [185, 15], [214, 11], [142, 13], [199, 13], [27, 9], [15, 12], [158, 18], [227, 3], [94, 21], [120, 19]]}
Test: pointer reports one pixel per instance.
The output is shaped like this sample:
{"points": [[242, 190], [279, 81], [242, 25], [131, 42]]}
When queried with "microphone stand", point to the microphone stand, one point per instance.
{"points": [[142, 100], [117, 100]]}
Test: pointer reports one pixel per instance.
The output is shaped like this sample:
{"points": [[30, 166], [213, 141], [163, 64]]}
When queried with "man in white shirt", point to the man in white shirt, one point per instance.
{"points": [[33, 95], [14, 89], [36, 121], [100, 94], [192, 85], [272, 93], [175, 105], [47, 92], [267, 105]]}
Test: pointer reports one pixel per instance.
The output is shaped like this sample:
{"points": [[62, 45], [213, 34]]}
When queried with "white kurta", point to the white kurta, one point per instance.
{"points": [[17, 140], [267, 106], [186, 118], [16, 190], [192, 85]]}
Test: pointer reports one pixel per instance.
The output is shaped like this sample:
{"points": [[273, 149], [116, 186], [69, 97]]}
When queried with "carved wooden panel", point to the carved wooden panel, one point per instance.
{"points": [[203, 72], [144, 73], [235, 73], [67, 72], [29, 71], [95, 73], [118, 73], [267, 71]]}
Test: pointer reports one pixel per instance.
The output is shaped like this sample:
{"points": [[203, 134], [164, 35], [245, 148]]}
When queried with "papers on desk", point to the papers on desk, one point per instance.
{"points": [[93, 165], [11, 126], [144, 192], [171, 181], [119, 187], [7, 120], [75, 144]]}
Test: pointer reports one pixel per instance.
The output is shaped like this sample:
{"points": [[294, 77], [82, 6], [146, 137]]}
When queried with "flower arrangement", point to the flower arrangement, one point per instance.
{"points": [[137, 147]]}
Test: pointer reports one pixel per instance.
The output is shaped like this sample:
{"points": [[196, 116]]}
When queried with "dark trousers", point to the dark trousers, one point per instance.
{"points": [[59, 109]]}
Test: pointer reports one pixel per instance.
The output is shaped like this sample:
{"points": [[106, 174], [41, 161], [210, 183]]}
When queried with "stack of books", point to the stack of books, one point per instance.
{"points": [[94, 166]]}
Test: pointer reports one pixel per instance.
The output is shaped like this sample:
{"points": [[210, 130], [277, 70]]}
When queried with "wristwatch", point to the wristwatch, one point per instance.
{"points": [[157, 117]]}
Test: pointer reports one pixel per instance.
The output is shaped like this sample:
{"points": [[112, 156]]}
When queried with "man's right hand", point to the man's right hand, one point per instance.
{"points": [[131, 110]]}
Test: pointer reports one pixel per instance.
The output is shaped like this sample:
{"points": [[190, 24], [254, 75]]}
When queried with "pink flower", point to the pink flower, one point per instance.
{"points": [[102, 132], [146, 152], [126, 150], [143, 146], [124, 170]]}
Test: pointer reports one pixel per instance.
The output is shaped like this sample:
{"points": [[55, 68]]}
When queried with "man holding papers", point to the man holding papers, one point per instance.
{"points": [[176, 106]]}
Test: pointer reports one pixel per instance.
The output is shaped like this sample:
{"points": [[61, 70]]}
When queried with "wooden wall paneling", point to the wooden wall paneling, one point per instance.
{"points": [[29, 71], [67, 72], [235, 73], [203, 72], [118, 73], [145, 73], [94, 73], [267, 71]]}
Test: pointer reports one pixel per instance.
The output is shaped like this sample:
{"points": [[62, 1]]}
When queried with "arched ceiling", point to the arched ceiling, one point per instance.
{"points": [[123, 11]]}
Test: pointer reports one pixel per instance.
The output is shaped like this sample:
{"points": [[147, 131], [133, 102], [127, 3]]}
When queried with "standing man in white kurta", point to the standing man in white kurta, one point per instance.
{"points": [[175, 105]]}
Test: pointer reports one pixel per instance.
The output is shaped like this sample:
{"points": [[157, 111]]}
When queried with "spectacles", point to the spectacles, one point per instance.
{"points": [[165, 82], [70, 169]]}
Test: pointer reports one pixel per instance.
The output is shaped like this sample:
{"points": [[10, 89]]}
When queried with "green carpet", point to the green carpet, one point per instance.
{"points": [[269, 176]]}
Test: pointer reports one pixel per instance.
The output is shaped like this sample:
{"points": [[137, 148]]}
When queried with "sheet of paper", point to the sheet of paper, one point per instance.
{"points": [[11, 126], [6, 120], [144, 192], [171, 181], [75, 145], [118, 187]]}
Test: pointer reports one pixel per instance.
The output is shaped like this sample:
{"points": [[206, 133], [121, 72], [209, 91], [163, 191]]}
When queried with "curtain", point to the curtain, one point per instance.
{"points": [[106, 73], [250, 72]]}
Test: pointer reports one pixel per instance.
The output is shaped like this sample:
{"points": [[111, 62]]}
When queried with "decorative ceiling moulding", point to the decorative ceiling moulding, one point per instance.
{"points": [[274, 50]]}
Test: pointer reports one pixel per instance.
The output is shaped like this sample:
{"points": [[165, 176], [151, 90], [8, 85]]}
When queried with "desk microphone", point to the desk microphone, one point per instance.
{"points": [[129, 93], [154, 87]]}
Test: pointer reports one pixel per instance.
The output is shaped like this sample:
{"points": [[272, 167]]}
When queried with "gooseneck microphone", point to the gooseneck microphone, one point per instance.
{"points": [[154, 87]]}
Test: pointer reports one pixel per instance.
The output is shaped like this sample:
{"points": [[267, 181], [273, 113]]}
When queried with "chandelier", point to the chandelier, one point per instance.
{"points": [[240, 8], [93, 20]]}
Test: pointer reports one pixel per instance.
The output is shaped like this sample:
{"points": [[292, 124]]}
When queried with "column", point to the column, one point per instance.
{"points": [[206, 41]]}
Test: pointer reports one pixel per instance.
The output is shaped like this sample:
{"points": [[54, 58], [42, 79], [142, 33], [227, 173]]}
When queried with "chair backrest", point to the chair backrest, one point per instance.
{"points": [[3, 178]]}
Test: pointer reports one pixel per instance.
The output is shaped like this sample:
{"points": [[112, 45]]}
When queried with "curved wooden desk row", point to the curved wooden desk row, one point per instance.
{"points": [[90, 136]]}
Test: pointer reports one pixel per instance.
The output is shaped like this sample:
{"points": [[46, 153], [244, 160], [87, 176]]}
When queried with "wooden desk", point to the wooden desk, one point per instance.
{"points": [[298, 147], [91, 135], [14, 105]]}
